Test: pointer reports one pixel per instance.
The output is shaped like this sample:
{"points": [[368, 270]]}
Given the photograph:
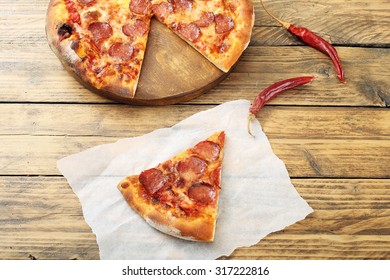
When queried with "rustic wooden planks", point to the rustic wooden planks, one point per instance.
{"points": [[37, 155], [348, 216], [319, 142], [350, 221], [333, 138], [367, 78], [295, 122]]}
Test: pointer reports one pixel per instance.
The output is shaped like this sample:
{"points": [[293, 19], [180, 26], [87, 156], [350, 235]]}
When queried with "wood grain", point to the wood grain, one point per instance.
{"points": [[37, 155], [113, 120], [345, 223], [347, 215], [333, 138], [342, 23], [367, 81], [323, 142]]}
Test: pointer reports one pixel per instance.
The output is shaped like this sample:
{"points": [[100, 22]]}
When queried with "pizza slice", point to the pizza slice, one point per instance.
{"points": [[219, 29], [180, 196], [102, 42]]}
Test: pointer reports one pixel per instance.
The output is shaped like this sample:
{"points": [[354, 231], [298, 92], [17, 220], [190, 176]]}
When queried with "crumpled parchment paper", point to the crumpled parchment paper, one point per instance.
{"points": [[256, 198]]}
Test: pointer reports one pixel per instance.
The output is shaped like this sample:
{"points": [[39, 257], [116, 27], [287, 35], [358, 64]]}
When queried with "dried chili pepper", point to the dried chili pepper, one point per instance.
{"points": [[273, 90], [314, 41]]}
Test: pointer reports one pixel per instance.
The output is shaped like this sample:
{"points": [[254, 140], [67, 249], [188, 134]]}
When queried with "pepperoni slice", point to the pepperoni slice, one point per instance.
{"points": [[191, 168], [205, 19], [140, 6], [202, 192], [162, 10], [182, 5], [121, 50], [223, 23], [139, 28], [152, 180], [100, 30], [189, 31], [207, 150], [85, 2], [215, 176]]}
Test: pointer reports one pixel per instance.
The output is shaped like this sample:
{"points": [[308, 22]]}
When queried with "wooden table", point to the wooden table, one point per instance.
{"points": [[333, 138]]}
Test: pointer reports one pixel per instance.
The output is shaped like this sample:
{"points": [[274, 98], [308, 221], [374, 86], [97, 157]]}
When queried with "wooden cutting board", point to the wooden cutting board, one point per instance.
{"points": [[172, 71]]}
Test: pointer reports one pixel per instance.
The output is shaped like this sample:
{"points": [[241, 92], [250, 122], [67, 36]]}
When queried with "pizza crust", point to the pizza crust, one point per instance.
{"points": [[112, 86], [242, 35], [56, 16], [194, 229]]}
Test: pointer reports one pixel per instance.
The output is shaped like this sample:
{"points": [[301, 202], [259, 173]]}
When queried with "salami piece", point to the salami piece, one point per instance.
{"points": [[191, 168], [100, 30], [121, 51], [162, 10], [205, 19], [202, 192], [207, 150], [223, 23], [139, 28], [189, 31], [152, 180], [140, 7], [85, 2]]}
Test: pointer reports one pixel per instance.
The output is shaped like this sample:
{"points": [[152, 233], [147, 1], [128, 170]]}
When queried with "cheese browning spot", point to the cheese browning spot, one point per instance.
{"points": [[64, 31], [125, 185]]}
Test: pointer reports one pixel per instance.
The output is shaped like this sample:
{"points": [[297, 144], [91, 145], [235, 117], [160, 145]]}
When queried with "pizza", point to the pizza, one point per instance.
{"points": [[103, 43], [179, 197]]}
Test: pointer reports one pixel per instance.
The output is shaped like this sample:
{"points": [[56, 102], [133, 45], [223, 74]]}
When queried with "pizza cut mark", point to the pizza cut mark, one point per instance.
{"points": [[110, 37], [180, 196]]}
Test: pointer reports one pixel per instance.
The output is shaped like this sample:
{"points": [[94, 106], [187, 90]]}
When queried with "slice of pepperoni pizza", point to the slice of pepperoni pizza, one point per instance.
{"points": [[101, 42], [219, 29], [180, 196]]}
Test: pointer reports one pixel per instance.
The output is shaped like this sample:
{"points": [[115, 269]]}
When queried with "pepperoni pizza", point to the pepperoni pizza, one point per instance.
{"points": [[180, 196], [103, 42]]}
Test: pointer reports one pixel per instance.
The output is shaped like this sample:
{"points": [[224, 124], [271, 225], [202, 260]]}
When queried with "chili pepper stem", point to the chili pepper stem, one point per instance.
{"points": [[284, 24], [250, 118]]}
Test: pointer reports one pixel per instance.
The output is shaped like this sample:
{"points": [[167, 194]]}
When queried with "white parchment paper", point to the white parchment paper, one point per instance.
{"points": [[256, 198]]}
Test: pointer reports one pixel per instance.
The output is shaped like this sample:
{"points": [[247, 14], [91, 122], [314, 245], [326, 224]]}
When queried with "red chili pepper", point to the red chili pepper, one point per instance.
{"points": [[273, 90], [314, 41]]}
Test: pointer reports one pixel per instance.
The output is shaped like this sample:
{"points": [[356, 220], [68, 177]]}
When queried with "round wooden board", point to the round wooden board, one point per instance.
{"points": [[172, 71]]}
